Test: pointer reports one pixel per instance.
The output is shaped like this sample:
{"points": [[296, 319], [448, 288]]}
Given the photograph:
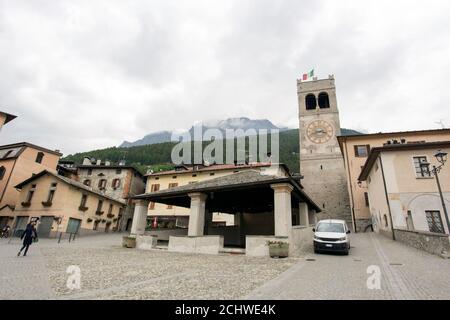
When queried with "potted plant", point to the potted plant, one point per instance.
{"points": [[278, 249], [128, 242]]}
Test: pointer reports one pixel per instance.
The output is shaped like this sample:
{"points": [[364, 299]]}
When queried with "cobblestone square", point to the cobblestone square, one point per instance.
{"points": [[109, 271]]}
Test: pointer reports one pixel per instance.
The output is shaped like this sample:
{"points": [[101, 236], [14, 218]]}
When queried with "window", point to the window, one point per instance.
{"points": [[172, 185], [89, 172], [31, 193], [116, 183], [99, 206], [422, 171], [153, 188], [87, 182], [385, 221], [324, 102], [434, 221], [51, 195], [118, 171], [83, 201], [102, 184], [310, 101], [212, 173], [362, 150], [39, 157], [174, 177], [366, 198], [110, 209], [2, 172]]}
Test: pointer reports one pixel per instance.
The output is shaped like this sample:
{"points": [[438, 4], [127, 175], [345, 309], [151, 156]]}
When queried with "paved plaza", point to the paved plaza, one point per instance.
{"points": [[109, 271]]}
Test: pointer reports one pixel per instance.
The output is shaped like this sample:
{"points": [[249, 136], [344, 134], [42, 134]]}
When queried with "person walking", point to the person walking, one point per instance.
{"points": [[28, 235]]}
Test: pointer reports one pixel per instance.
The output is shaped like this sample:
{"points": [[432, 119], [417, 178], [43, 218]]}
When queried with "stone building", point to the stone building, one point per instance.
{"points": [[64, 205], [321, 160], [19, 162], [403, 197], [117, 181], [356, 149]]}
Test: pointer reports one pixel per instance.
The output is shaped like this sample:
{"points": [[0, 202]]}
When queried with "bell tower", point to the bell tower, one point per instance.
{"points": [[321, 161]]}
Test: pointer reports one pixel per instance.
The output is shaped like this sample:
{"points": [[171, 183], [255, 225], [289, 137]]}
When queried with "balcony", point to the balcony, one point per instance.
{"points": [[26, 204], [99, 213], [83, 208], [47, 203], [110, 215]]}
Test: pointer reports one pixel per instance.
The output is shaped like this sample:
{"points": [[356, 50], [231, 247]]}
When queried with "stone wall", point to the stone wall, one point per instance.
{"points": [[300, 240], [201, 244], [363, 225], [434, 243]]}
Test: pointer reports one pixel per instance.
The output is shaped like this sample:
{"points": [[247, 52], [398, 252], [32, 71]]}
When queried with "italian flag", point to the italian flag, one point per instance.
{"points": [[308, 75]]}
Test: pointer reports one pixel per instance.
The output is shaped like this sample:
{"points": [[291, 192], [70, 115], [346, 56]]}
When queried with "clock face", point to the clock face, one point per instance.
{"points": [[319, 131]]}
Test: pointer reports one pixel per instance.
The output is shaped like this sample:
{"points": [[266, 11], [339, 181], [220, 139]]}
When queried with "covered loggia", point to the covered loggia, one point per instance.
{"points": [[264, 205]]}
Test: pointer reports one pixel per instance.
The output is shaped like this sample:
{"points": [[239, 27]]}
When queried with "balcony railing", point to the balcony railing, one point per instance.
{"points": [[26, 204], [99, 213], [110, 215]]}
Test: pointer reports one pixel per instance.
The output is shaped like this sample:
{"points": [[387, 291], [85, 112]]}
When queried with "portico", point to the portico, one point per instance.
{"points": [[265, 207]]}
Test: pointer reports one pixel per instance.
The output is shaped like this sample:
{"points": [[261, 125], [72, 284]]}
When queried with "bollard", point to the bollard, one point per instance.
{"points": [[60, 234]]}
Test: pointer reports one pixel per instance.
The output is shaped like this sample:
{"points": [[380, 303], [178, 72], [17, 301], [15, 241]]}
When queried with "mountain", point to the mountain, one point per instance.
{"points": [[158, 156], [222, 125], [152, 138]]}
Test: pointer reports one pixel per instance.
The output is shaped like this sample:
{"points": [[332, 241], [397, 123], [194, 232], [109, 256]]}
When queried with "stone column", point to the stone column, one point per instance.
{"points": [[304, 214], [139, 217], [197, 214], [282, 209]]}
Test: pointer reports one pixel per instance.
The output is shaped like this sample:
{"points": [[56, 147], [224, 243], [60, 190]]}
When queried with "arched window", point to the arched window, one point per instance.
{"points": [[324, 102], [310, 101], [87, 182], [2, 172]]}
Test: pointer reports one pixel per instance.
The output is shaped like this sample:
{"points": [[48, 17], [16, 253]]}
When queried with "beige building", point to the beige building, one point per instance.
{"points": [[168, 216], [356, 149], [19, 162], [117, 181], [5, 118], [64, 205], [404, 202], [321, 160]]}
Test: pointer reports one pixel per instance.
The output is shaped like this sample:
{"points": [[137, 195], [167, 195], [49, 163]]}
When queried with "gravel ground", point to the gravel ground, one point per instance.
{"points": [[109, 271]]}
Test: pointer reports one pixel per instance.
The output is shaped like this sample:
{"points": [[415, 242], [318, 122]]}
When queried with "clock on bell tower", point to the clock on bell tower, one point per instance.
{"points": [[321, 161]]}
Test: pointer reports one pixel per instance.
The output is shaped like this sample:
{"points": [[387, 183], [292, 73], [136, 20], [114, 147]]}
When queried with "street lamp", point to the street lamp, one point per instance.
{"points": [[441, 157]]}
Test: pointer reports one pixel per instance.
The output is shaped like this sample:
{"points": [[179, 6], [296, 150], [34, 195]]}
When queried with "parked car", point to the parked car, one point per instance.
{"points": [[331, 235]]}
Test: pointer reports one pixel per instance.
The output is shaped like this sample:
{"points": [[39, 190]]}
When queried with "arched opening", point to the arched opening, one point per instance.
{"points": [[310, 101], [324, 102]]}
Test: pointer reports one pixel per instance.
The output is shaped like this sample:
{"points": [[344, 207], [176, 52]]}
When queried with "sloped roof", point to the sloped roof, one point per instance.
{"points": [[68, 181], [17, 149], [239, 180], [9, 117]]}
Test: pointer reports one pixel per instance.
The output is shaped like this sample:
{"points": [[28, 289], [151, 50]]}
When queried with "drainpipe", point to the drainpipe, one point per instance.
{"points": [[346, 164], [387, 198]]}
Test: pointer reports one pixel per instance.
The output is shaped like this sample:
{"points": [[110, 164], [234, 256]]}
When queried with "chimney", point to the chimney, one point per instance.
{"points": [[87, 161], [107, 163], [122, 163], [99, 162]]}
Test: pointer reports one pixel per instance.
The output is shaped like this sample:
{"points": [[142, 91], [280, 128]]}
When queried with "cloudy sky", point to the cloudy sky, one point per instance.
{"points": [[82, 75]]}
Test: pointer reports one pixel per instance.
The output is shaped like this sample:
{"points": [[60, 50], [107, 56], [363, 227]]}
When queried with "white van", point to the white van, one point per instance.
{"points": [[331, 235]]}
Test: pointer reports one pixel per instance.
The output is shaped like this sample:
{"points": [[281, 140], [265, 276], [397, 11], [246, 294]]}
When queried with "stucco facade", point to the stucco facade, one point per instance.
{"points": [[399, 197], [19, 162], [73, 208], [354, 162]]}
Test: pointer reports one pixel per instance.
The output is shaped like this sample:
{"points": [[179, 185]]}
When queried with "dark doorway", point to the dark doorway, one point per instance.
{"points": [[129, 222], [45, 226]]}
